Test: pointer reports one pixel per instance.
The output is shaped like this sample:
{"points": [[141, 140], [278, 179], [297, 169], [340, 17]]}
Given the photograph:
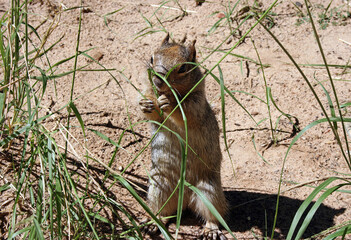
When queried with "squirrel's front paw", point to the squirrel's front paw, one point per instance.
{"points": [[146, 105], [164, 103]]}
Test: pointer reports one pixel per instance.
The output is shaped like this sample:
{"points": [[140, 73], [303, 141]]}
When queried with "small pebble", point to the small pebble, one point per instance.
{"points": [[220, 15], [87, 10], [299, 4], [96, 55]]}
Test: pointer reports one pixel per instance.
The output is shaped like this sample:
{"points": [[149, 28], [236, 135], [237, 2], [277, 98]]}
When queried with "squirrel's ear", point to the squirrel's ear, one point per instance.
{"points": [[165, 41], [192, 52]]}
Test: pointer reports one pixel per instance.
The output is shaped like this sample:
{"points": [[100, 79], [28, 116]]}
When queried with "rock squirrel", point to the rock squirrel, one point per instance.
{"points": [[202, 168]]}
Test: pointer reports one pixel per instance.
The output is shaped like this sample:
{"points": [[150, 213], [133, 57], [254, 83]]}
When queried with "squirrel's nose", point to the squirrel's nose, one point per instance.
{"points": [[158, 81]]}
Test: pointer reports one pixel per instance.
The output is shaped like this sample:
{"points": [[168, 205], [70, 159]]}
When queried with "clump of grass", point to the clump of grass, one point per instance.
{"points": [[155, 22], [55, 206], [326, 15], [59, 205], [336, 120], [232, 16]]}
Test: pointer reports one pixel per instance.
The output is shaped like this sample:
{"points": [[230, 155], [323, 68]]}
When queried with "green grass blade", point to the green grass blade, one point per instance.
{"points": [[51, 163], [314, 208], [79, 117], [290, 146], [75, 192], [223, 116], [249, 94], [19, 232], [39, 234], [184, 147], [107, 139], [5, 187], [215, 26], [305, 204], [348, 156], [232, 96], [323, 65], [339, 233], [345, 105], [257, 152], [129, 216], [331, 106], [239, 56], [288, 116], [268, 90], [323, 120], [210, 207], [181, 186], [40, 78], [158, 222]]}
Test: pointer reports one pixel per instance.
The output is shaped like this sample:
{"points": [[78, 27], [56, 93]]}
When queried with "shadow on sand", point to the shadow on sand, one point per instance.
{"points": [[250, 209]]}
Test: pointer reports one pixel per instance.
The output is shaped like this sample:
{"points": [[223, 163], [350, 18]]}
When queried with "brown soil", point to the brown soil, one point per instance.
{"points": [[112, 106]]}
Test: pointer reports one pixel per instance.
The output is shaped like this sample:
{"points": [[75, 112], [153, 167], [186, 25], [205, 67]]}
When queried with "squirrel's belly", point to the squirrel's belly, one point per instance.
{"points": [[166, 158], [166, 154]]}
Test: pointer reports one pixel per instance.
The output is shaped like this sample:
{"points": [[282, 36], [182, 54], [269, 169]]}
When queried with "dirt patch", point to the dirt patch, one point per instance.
{"points": [[108, 103]]}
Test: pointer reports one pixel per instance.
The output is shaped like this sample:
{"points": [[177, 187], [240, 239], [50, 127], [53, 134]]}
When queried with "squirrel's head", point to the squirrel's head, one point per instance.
{"points": [[173, 61]]}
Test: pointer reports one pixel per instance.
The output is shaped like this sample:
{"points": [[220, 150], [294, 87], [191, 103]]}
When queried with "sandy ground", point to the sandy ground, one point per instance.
{"points": [[109, 103]]}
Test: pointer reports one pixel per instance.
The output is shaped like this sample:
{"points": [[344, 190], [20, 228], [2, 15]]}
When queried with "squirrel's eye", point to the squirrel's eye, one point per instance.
{"points": [[182, 69], [152, 60]]}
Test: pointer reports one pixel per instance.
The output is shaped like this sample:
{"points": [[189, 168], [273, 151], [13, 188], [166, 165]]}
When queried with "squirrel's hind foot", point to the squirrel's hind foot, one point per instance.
{"points": [[212, 232]]}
